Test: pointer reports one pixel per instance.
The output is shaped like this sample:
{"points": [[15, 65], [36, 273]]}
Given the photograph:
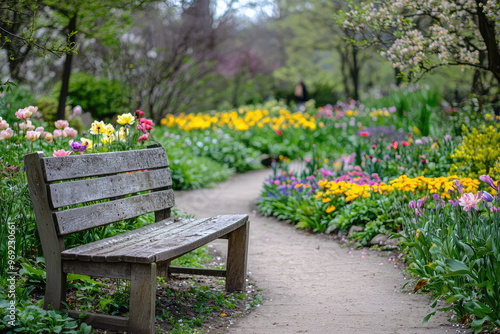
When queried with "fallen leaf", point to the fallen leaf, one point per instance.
{"points": [[420, 284]]}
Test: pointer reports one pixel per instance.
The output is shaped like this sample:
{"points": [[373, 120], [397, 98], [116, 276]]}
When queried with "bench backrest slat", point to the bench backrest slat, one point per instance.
{"points": [[82, 218], [80, 166], [82, 191], [103, 188]]}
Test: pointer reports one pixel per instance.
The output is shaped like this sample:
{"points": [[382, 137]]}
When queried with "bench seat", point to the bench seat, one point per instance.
{"points": [[161, 241]]}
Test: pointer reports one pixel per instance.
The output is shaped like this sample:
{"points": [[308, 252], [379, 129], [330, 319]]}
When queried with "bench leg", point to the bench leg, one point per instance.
{"points": [[55, 290], [236, 269], [142, 298]]}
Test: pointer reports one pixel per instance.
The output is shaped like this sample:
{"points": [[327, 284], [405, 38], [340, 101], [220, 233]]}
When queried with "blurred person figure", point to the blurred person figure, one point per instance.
{"points": [[301, 94]]}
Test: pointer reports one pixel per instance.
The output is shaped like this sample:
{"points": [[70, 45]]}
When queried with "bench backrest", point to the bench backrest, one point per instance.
{"points": [[131, 183]]}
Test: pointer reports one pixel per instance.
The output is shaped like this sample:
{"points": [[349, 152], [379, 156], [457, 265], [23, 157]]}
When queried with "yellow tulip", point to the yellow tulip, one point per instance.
{"points": [[126, 119]]}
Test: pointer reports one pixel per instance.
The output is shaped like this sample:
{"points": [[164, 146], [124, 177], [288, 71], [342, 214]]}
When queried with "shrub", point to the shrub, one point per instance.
{"points": [[101, 97], [47, 106], [479, 153]]}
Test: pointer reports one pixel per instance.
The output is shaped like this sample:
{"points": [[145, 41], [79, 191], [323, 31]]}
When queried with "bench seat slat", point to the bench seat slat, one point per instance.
{"points": [[148, 249], [114, 253], [119, 243], [120, 239], [219, 226], [82, 218], [80, 166], [76, 192]]}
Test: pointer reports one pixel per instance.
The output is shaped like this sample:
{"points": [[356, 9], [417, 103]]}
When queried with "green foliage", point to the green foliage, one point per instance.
{"points": [[17, 97], [457, 254], [324, 93], [479, 153], [377, 215], [186, 307], [196, 258], [47, 106], [101, 97], [31, 318], [416, 107], [223, 148]]}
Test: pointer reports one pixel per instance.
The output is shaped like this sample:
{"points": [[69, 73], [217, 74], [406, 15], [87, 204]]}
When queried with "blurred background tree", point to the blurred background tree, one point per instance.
{"points": [[176, 56]]}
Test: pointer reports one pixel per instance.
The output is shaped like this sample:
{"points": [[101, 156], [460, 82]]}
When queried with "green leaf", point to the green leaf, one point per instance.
{"points": [[427, 317], [456, 268], [451, 299], [302, 225]]}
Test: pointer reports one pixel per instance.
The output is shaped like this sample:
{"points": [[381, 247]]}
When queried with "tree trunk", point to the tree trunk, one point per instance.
{"points": [[344, 70], [399, 80], [61, 114], [487, 30], [355, 72], [15, 63]]}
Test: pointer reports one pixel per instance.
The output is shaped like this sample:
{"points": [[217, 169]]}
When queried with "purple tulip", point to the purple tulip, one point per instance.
{"points": [[78, 146], [487, 196], [459, 186], [488, 180]]}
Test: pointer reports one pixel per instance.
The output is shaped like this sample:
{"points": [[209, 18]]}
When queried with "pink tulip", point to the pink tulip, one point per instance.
{"points": [[39, 129], [49, 138], [61, 124], [27, 126], [61, 153], [6, 134], [23, 114], [58, 133], [69, 132], [3, 124], [32, 135]]}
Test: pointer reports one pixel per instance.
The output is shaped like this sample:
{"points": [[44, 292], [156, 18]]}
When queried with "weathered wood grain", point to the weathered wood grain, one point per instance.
{"points": [[119, 252], [237, 252], [80, 166], [157, 242], [197, 271], [118, 241], [142, 299], [102, 321], [114, 249], [119, 270], [52, 245], [79, 219], [76, 192]]}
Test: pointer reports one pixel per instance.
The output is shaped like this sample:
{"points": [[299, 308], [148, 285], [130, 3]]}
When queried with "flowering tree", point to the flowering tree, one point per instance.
{"points": [[418, 36]]}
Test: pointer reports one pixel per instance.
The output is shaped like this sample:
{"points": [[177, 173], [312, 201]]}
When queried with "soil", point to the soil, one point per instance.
{"points": [[312, 283]]}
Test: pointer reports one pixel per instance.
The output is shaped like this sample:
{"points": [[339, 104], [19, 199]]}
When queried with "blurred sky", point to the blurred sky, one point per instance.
{"points": [[252, 9]]}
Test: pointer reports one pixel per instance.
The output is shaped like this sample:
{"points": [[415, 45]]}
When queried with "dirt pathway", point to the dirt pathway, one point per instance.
{"points": [[311, 284]]}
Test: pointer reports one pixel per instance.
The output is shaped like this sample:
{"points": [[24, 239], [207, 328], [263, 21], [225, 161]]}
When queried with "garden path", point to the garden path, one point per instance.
{"points": [[310, 284]]}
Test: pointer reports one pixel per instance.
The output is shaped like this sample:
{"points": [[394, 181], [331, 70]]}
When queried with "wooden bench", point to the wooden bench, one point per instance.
{"points": [[113, 187]]}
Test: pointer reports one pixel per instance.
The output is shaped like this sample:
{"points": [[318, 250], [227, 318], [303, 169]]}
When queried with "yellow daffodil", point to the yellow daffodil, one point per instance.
{"points": [[98, 128]]}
